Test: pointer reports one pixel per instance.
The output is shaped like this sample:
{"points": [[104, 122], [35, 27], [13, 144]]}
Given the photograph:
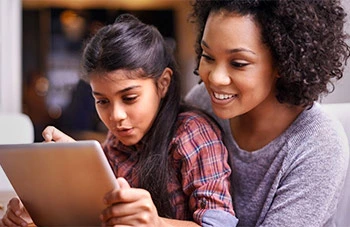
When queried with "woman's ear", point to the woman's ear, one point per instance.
{"points": [[164, 81]]}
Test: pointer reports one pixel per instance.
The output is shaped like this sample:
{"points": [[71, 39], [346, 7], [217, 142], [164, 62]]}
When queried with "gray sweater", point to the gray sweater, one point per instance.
{"points": [[296, 179]]}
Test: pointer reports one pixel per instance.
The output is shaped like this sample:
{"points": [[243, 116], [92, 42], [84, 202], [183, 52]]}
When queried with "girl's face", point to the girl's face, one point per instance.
{"points": [[236, 67], [126, 106]]}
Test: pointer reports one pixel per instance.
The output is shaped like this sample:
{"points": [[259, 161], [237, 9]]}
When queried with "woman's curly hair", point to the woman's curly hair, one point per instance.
{"points": [[305, 37]]}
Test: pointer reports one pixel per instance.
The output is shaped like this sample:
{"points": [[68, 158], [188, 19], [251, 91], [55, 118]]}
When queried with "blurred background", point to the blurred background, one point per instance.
{"points": [[40, 47], [52, 35]]}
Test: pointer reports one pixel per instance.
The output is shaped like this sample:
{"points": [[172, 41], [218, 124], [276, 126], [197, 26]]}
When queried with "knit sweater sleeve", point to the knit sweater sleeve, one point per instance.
{"points": [[312, 174]]}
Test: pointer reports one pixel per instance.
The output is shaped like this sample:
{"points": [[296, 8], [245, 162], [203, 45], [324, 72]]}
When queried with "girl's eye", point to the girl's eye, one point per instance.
{"points": [[129, 99], [207, 57], [102, 101], [237, 64]]}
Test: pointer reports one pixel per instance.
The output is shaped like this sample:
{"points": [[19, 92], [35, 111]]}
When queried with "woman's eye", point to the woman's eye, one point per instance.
{"points": [[237, 64]]}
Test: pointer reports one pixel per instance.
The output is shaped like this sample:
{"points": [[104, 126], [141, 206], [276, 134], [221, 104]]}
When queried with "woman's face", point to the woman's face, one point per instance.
{"points": [[126, 106], [236, 67]]}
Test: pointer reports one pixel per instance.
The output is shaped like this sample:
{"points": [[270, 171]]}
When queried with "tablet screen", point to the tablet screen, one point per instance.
{"points": [[60, 184]]}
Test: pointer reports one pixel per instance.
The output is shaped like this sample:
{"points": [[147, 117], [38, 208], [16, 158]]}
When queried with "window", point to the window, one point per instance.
{"points": [[10, 56]]}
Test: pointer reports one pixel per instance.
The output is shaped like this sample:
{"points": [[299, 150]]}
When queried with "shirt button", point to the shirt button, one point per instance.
{"points": [[203, 203]]}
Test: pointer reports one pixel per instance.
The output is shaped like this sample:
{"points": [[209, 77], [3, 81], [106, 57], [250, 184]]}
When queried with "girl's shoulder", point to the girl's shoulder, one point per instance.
{"points": [[195, 125], [196, 135], [194, 119]]}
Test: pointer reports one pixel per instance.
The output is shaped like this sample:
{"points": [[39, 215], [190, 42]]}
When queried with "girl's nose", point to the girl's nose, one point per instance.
{"points": [[118, 113], [219, 76]]}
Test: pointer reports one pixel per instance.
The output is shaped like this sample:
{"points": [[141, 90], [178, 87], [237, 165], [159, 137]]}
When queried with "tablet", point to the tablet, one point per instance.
{"points": [[60, 184]]}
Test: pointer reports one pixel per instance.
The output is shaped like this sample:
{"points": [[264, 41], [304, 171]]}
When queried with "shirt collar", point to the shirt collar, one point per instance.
{"points": [[137, 148]]}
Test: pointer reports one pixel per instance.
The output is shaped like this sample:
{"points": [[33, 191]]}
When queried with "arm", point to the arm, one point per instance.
{"points": [[178, 223], [134, 207], [205, 180], [205, 171]]}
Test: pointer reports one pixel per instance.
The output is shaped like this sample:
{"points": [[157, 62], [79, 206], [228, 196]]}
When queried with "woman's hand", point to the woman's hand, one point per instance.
{"points": [[130, 207], [16, 214], [52, 134]]}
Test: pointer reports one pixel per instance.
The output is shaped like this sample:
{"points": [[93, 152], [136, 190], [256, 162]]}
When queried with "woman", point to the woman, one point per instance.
{"points": [[264, 64], [170, 160]]}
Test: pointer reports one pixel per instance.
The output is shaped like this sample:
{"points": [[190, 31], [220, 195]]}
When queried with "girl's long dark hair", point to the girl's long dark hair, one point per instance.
{"points": [[130, 44]]}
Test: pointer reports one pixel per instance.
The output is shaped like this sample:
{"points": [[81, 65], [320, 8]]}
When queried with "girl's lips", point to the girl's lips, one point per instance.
{"points": [[124, 132]]}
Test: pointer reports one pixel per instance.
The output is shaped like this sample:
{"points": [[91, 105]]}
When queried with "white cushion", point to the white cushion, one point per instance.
{"points": [[14, 128]]}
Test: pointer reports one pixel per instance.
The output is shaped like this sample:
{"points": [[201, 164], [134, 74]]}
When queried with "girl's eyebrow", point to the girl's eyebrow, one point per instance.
{"points": [[230, 51], [121, 91]]}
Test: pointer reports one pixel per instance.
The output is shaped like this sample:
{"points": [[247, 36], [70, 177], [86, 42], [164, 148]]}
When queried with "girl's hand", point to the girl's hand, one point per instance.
{"points": [[130, 207], [16, 214], [52, 134]]}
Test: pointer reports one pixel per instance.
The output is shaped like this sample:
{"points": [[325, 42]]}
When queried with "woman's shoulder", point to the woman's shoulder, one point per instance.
{"points": [[316, 123], [198, 96], [317, 132]]}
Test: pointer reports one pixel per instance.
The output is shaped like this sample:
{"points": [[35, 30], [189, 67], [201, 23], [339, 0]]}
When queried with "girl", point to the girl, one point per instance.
{"points": [[172, 161]]}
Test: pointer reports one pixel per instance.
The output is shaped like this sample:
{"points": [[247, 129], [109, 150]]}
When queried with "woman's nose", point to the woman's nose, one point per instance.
{"points": [[219, 76]]}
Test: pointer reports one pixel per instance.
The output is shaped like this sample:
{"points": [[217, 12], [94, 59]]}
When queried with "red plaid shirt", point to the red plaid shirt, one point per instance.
{"points": [[199, 160]]}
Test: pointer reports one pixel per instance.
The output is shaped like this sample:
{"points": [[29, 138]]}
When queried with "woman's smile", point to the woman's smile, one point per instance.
{"points": [[221, 98]]}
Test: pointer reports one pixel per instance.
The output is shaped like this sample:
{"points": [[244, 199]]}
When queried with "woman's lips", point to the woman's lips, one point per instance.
{"points": [[221, 98]]}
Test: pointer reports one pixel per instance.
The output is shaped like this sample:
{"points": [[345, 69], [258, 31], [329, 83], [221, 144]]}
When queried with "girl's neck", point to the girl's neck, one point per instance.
{"points": [[260, 126]]}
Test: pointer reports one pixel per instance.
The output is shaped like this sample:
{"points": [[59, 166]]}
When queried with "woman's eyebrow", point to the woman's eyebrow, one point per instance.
{"points": [[230, 51]]}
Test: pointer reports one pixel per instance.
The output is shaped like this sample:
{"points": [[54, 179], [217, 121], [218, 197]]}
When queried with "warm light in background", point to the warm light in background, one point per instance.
{"points": [[125, 4], [72, 24]]}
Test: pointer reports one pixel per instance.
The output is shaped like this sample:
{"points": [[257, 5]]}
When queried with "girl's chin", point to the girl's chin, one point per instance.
{"points": [[128, 142]]}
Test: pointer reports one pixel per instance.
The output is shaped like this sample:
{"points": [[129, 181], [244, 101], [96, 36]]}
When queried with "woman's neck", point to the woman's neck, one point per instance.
{"points": [[260, 126]]}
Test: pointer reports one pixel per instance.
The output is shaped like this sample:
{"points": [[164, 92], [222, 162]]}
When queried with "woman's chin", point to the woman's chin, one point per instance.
{"points": [[223, 114]]}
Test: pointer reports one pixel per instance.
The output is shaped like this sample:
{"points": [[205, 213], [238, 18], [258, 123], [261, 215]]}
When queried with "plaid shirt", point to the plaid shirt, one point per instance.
{"points": [[199, 158]]}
